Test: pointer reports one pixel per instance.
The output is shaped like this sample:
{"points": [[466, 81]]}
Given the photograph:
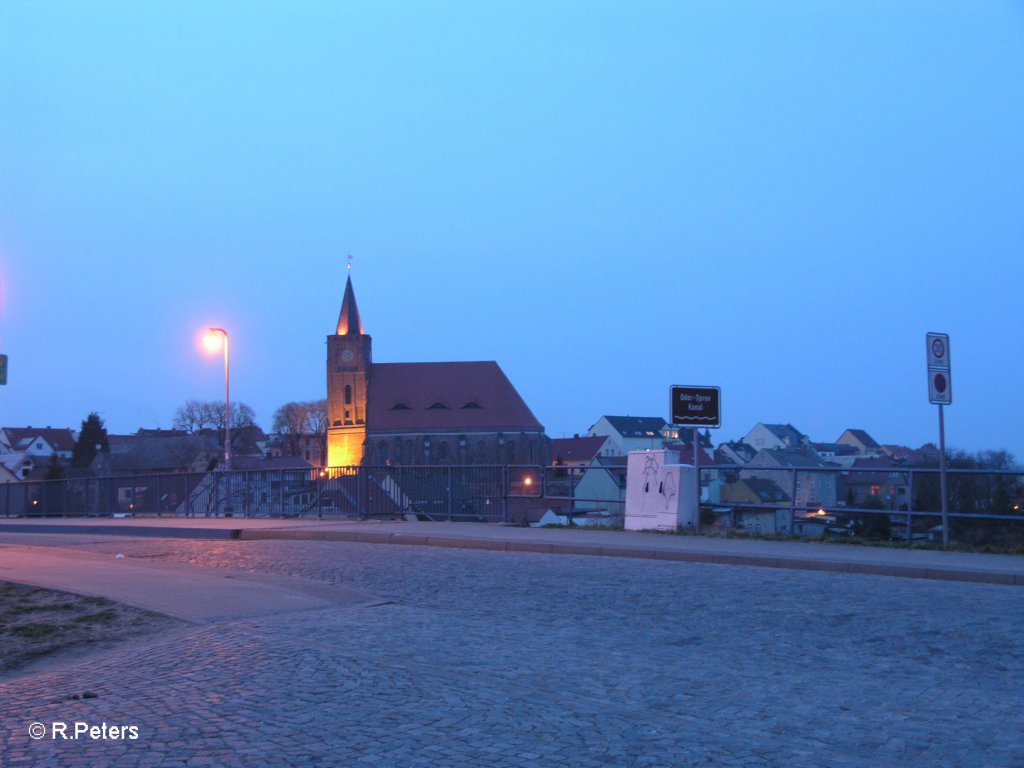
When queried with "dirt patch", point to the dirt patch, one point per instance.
{"points": [[40, 624]]}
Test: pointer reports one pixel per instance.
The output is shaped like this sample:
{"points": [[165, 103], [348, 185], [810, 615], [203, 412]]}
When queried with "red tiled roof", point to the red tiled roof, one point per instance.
{"points": [[60, 439], [573, 449], [444, 397]]}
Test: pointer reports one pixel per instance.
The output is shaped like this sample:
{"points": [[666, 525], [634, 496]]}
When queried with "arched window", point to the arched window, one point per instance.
{"points": [[510, 451], [382, 452]]}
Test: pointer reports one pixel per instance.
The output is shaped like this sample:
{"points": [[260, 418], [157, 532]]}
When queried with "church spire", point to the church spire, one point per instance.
{"points": [[349, 323]]}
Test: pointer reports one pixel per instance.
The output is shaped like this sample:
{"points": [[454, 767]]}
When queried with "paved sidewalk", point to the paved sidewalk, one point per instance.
{"points": [[525, 660], [801, 555], [197, 595]]}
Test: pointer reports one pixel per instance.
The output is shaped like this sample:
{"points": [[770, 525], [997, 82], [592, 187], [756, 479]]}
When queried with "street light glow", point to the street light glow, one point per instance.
{"points": [[213, 340]]}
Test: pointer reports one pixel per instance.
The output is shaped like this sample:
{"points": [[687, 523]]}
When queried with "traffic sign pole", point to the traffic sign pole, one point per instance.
{"points": [[940, 392], [942, 478]]}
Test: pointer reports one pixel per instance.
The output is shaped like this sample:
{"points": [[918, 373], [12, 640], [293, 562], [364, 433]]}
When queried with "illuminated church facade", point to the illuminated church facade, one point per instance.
{"points": [[421, 413]]}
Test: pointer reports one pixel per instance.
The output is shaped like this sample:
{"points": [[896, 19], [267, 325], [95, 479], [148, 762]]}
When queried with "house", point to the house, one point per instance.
{"points": [[815, 484], [860, 441], [152, 455], [38, 441], [775, 437], [421, 413], [576, 451], [735, 452], [629, 433], [768, 513], [874, 482]]}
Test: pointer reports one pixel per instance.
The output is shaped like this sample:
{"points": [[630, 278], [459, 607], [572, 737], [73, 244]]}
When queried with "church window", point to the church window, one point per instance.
{"points": [[443, 454], [532, 448], [382, 452], [481, 452], [510, 451], [348, 394]]}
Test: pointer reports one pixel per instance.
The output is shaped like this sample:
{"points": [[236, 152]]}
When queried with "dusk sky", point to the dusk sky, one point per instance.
{"points": [[608, 198]]}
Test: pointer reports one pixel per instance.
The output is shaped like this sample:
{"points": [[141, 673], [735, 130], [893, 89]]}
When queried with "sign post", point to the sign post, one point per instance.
{"points": [[696, 407], [940, 392]]}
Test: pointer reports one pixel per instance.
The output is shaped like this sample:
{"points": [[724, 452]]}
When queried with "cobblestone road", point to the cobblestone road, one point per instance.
{"points": [[484, 658]]}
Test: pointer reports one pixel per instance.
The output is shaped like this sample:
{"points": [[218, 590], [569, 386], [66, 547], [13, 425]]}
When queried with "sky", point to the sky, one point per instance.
{"points": [[608, 198]]}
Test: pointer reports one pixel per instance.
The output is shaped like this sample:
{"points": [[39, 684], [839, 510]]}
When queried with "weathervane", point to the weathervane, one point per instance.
{"points": [[350, 262]]}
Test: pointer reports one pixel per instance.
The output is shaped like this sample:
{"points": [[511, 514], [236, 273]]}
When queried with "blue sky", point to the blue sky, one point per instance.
{"points": [[779, 199]]}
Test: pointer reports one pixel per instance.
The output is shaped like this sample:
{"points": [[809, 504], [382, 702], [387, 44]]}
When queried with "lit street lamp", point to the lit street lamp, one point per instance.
{"points": [[212, 341]]}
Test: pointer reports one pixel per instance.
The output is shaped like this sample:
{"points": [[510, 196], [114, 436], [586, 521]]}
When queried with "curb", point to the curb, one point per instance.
{"points": [[560, 548]]}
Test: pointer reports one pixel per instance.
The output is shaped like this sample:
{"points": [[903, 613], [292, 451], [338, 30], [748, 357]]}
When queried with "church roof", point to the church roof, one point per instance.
{"points": [[445, 397], [349, 323]]}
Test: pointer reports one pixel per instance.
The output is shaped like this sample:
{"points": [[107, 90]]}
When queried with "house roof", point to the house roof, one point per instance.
{"points": [[275, 463], [60, 439], [791, 458], [840, 449], [766, 490], [636, 426], [445, 397], [575, 449], [155, 454], [686, 453], [786, 431], [861, 437]]}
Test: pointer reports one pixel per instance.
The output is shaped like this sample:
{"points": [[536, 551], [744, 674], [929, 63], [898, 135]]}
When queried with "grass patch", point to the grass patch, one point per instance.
{"points": [[36, 623], [33, 631], [103, 617]]}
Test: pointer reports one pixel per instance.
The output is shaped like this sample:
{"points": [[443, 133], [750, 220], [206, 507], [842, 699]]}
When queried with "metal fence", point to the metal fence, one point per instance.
{"points": [[902, 503], [894, 502], [484, 493]]}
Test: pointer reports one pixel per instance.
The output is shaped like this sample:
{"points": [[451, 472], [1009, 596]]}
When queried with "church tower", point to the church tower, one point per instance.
{"points": [[348, 376]]}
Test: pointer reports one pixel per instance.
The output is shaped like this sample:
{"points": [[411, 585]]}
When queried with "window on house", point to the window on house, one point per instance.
{"points": [[400, 407], [471, 404], [875, 490], [438, 407]]}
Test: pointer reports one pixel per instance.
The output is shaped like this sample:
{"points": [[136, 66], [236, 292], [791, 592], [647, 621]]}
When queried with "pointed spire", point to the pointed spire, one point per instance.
{"points": [[349, 323]]}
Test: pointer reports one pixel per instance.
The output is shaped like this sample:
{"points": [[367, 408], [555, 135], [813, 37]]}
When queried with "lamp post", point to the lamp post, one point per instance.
{"points": [[213, 342]]}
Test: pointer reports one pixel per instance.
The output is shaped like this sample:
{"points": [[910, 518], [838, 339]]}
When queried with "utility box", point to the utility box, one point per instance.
{"points": [[661, 493]]}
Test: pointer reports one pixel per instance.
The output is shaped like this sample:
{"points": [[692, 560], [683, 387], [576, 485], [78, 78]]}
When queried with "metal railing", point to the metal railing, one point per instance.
{"points": [[894, 502], [985, 506], [485, 493]]}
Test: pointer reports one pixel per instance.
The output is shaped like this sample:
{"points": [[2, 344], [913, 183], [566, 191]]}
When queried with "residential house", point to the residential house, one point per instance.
{"points": [[873, 481], [775, 437], [768, 513], [860, 441], [815, 485], [38, 441], [629, 433]]}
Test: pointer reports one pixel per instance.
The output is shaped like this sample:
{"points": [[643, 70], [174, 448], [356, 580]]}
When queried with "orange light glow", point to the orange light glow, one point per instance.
{"points": [[213, 341], [528, 481], [820, 513]]}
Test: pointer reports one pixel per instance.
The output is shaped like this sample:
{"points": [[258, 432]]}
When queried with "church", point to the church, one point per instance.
{"points": [[421, 413]]}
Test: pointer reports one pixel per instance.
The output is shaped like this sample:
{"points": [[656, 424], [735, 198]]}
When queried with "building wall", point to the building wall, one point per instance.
{"points": [[457, 448], [348, 367]]}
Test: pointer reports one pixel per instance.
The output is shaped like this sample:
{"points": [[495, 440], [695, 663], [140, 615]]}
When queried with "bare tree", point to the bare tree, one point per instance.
{"points": [[297, 422], [197, 416]]}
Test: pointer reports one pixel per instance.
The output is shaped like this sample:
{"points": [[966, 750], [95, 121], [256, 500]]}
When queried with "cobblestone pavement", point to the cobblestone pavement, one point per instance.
{"points": [[511, 659]]}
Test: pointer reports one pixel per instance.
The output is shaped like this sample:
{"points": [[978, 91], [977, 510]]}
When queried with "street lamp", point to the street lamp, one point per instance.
{"points": [[213, 343]]}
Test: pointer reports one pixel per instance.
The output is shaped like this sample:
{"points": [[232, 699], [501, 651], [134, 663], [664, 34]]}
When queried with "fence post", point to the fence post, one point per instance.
{"points": [[792, 504], [448, 491], [910, 509]]}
